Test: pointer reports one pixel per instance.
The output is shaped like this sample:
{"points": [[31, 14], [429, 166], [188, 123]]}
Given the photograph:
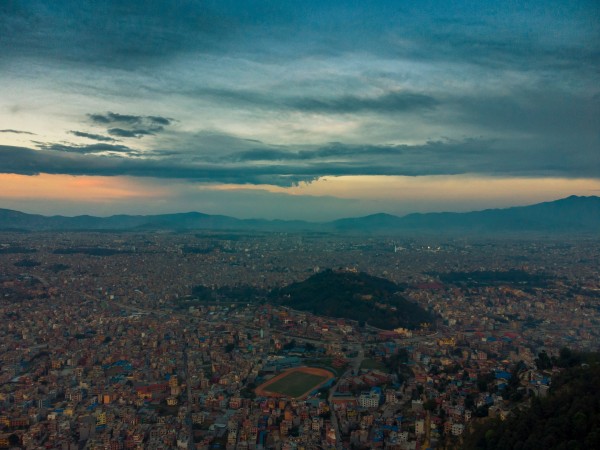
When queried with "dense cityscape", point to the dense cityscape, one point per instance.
{"points": [[106, 344], [299, 225]]}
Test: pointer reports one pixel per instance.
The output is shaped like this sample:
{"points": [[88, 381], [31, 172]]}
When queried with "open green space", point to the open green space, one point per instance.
{"points": [[295, 384]]}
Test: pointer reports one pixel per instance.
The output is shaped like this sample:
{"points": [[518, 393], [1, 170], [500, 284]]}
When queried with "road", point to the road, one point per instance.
{"points": [[355, 366], [356, 362], [188, 387], [334, 421]]}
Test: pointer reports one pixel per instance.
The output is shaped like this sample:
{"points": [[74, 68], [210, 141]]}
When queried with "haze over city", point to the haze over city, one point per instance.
{"points": [[296, 110]]}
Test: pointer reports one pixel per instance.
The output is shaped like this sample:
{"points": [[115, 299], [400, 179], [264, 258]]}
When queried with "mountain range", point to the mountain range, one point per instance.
{"points": [[568, 215]]}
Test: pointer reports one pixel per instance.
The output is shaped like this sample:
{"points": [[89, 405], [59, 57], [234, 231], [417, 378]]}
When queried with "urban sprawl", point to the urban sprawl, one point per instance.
{"points": [[103, 344]]}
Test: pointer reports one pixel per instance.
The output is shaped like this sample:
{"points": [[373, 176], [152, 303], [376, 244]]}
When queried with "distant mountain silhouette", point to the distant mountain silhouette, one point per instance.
{"points": [[569, 215]]}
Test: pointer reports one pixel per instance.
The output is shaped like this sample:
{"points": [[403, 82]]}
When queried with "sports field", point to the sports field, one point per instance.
{"points": [[295, 383]]}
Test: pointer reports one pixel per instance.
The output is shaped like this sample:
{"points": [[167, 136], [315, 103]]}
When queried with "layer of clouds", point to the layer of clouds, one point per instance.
{"points": [[111, 118], [433, 88], [126, 34], [385, 103], [95, 137], [89, 149], [17, 132], [257, 163], [129, 126]]}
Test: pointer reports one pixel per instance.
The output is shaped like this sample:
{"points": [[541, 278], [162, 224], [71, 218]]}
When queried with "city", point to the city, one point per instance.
{"points": [[299, 225], [105, 345]]}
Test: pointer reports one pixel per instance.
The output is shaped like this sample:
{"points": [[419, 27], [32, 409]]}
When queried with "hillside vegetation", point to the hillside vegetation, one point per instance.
{"points": [[569, 418], [355, 296]]}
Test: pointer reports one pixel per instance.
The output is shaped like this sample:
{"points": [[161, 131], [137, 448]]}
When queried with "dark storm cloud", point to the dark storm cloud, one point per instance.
{"points": [[96, 137], [17, 132]]}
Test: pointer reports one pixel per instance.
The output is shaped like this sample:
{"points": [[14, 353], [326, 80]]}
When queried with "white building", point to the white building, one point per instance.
{"points": [[419, 426], [369, 399], [457, 429]]}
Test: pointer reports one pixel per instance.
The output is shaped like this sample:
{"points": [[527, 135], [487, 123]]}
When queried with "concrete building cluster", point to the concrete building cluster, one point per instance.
{"points": [[108, 349]]}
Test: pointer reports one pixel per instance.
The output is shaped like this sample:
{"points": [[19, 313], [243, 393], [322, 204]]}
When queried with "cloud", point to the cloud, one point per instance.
{"points": [[128, 119], [110, 33], [257, 163], [130, 126], [71, 160], [88, 149], [536, 35], [391, 102], [544, 111], [137, 133], [96, 137], [385, 103], [17, 132], [160, 120]]}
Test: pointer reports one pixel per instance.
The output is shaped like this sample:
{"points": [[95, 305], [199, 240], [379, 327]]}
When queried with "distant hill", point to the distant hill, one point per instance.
{"points": [[355, 296], [15, 220], [569, 215]]}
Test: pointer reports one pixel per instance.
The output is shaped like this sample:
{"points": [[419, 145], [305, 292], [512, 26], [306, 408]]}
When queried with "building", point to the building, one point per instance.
{"points": [[369, 399]]}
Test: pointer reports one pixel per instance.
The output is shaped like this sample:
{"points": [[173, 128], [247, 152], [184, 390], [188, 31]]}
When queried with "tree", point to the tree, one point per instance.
{"points": [[567, 418], [290, 345], [470, 401], [543, 362], [430, 404], [481, 411]]}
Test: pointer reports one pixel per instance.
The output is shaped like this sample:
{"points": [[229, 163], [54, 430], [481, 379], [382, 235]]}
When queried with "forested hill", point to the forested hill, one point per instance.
{"points": [[569, 418], [355, 296]]}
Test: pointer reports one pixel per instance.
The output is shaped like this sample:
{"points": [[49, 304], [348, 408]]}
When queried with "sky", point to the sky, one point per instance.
{"points": [[309, 110]]}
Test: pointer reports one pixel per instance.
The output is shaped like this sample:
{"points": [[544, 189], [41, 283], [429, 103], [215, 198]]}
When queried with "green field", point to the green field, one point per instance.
{"points": [[295, 384]]}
